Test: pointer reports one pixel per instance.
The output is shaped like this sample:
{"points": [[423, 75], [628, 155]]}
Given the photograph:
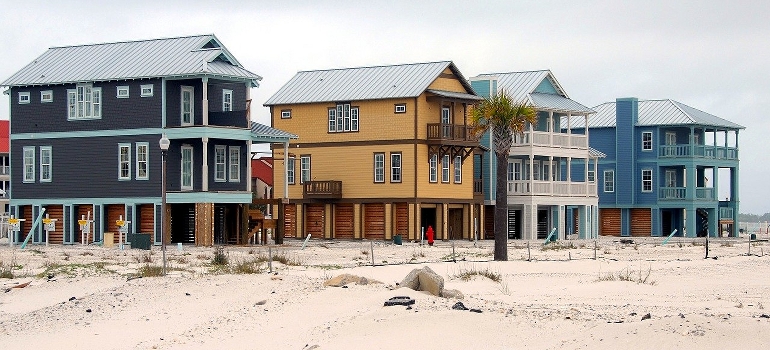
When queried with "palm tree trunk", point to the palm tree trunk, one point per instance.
{"points": [[501, 208]]}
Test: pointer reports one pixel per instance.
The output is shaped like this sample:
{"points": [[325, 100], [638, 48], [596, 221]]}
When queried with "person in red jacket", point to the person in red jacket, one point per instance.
{"points": [[429, 235]]}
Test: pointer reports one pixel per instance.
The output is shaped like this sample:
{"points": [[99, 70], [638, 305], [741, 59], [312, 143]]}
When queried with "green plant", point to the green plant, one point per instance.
{"points": [[628, 276], [220, 257], [249, 266], [148, 270], [288, 260], [467, 272], [6, 270]]}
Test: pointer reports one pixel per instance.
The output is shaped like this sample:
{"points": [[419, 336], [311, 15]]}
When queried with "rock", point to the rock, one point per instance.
{"points": [[459, 306], [187, 294], [347, 278], [452, 294], [646, 317], [399, 300], [424, 279], [261, 302], [411, 280], [73, 298], [88, 310], [764, 316], [476, 311]]}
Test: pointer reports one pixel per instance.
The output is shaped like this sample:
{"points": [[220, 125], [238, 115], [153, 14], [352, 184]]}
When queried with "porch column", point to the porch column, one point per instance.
{"points": [[692, 141], [205, 101], [550, 128], [286, 161], [561, 233], [550, 174], [734, 200], [714, 230], [569, 175], [690, 225], [205, 165], [690, 182], [569, 127], [480, 223], [248, 167], [585, 175], [582, 220]]}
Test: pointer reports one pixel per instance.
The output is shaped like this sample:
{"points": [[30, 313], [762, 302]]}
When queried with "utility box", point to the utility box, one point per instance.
{"points": [[140, 241], [109, 240]]}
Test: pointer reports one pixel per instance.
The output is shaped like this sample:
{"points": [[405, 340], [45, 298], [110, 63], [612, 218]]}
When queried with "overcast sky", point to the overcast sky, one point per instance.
{"points": [[711, 55]]}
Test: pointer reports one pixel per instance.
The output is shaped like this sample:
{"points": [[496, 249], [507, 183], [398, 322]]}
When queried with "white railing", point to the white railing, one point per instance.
{"points": [[551, 139], [552, 188]]}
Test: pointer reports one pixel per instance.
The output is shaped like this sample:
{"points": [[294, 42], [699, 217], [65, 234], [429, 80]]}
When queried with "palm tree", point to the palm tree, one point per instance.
{"points": [[504, 117]]}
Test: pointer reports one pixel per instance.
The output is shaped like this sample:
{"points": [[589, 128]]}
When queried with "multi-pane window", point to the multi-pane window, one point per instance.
{"points": [[46, 96], [45, 164], [188, 105], [433, 168], [510, 171], [609, 181], [343, 119], [290, 169], [286, 114], [142, 162], [146, 90], [458, 169], [304, 168], [29, 164], [395, 167], [220, 163], [122, 92], [647, 141], [24, 97], [646, 180], [379, 167], [187, 168], [445, 168], [400, 108], [124, 161], [85, 101], [591, 176], [235, 163], [227, 100]]}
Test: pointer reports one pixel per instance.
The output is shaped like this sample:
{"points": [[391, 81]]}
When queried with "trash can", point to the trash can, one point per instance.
{"points": [[397, 239], [753, 237], [139, 241], [108, 240]]}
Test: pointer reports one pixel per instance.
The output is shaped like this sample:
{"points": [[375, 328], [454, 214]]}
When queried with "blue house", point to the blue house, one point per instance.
{"points": [[86, 122], [667, 164], [551, 183]]}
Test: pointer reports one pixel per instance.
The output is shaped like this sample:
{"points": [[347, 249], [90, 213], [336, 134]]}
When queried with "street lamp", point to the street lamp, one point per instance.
{"points": [[163, 143]]}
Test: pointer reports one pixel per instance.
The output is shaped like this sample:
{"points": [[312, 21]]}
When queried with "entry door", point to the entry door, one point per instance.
{"points": [[542, 223], [670, 178], [446, 120], [455, 223]]}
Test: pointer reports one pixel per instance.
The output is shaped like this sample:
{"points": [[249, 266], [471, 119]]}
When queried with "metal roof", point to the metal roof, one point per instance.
{"points": [[656, 112], [171, 57], [522, 86], [595, 153], [363, 83], [457, 95], [262, 132]]}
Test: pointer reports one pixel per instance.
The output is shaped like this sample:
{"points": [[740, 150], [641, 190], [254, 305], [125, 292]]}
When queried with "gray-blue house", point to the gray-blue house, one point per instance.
{"points": [[85, 125], [667, 164]]}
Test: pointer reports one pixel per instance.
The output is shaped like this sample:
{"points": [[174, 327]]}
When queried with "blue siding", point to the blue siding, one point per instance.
{"points": [[626, 116], [546, 87], [482, 87], [646, 198], [641, 154]]}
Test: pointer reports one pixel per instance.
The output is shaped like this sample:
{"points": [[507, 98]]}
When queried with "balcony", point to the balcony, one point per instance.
{"points": [[451, 134], [698, 151], [680, 193], [232, 118], [726, 214], [551, 139], [551, 188], [478, 187], [322, 189]]}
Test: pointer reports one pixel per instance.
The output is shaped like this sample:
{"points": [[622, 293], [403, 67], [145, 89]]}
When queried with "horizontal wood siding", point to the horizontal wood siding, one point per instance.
{"points": [[56, 212], [343, 221], [114, 211], [146, 217], [609, 221], [83, 212], [314, 220], [402, 219], [374, 221], [290, 220], [489, 222], [641, 222]]}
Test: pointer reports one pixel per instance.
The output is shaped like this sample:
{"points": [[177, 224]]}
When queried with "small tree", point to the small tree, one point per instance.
{"points": [[503, 117]]}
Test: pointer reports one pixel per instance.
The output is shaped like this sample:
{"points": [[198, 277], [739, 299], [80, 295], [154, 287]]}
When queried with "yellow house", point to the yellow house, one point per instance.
{"points": [[381, 151]]}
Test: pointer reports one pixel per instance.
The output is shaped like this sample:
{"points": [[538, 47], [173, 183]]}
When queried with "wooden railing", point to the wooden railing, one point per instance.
{"points": [[478, 186], [451, 133], [322, 189]]}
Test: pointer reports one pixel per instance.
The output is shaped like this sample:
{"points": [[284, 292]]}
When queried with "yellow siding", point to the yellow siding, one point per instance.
{"points": [[427, 189]]}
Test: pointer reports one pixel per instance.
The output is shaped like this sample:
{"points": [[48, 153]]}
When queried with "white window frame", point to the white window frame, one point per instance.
{"points": [[182, 114], [84, 102], [445, 168], [142, 160], [379, 167], [591, 176], [332, 113], [185, 174], [670, 178], [646, 180], [304, 169], [234, 158], [647, 141], [143, 90], [433, 168], [29, 164], [123, 92], [24, 98], [220, 163], [46, 167], [670, 138], [458, 164], [286, 114], [227, 100], [396, 166], [49, 98], [346, 118], [400, 108], [124, 161], [609, 181], [290, 174]]}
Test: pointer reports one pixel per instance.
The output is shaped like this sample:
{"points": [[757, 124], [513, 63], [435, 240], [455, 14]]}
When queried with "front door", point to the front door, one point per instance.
{"points": [[542, 223], [446, 121]]}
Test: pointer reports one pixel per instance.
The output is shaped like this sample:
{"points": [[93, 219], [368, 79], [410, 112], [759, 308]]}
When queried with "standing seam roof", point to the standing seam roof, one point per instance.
{"points": [[656, 112]]}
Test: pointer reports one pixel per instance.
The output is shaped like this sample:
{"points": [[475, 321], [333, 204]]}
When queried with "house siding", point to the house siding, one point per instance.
{"points": [[625, 187]]}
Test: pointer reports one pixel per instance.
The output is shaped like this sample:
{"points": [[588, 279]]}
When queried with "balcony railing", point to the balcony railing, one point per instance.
{"points": [[5, 170], [451, 133], [726, 213], [478, 186], [232, 118], [552, 188], [698, 151], [551, 139], [680, 193], [322, 189], [706, 193]]}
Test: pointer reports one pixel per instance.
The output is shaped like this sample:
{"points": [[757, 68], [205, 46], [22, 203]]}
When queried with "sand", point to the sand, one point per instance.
{"points": [[639, 296]]}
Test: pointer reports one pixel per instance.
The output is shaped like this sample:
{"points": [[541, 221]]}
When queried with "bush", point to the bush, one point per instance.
{"points": [[220, 258]]}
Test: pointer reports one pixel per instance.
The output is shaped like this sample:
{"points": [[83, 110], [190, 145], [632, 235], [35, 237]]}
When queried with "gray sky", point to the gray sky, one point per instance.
{"points": [[711, 55]]}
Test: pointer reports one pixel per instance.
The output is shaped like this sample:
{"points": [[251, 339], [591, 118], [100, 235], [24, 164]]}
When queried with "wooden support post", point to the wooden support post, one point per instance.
{"points": [[372, 248], [529, 254], [270, 259]]}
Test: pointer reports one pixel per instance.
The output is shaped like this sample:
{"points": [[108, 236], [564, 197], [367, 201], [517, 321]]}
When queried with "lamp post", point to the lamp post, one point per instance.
{"points": [[163, 143]]}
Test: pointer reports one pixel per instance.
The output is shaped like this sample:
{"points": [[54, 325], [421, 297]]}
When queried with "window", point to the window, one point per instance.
{"points": [[187, 168], [142, 164], [445, 168], [646, 180], [609, 181], [122, 92], [670, 138], [235, 163], [433, 171], [379, 167], [46, 96], [124, 161], [446, 120], [395, 167], [304, 169], [84, 102], [24, 97], [45, 164], [401, 108], [220, 162], [343, 119], [29, 164], [188, 105], [147, 90], [591, 176], [290, 169], [458, 169], [286, 114], [227, 100], [647, 141]]}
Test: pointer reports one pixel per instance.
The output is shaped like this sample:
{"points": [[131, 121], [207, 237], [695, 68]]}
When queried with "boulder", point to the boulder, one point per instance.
{"points": [[452, 294], [347, 278], [424, 279]]}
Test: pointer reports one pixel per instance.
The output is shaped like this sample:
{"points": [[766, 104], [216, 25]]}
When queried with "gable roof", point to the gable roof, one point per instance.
{"points": [[656, 112], [264, 133], [262, 169], [363, 83], [199, 55], [538, 88], [5, 134]]}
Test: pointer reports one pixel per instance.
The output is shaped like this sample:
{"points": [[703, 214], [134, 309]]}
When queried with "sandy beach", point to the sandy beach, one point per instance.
{"points": [[637, 295]]}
